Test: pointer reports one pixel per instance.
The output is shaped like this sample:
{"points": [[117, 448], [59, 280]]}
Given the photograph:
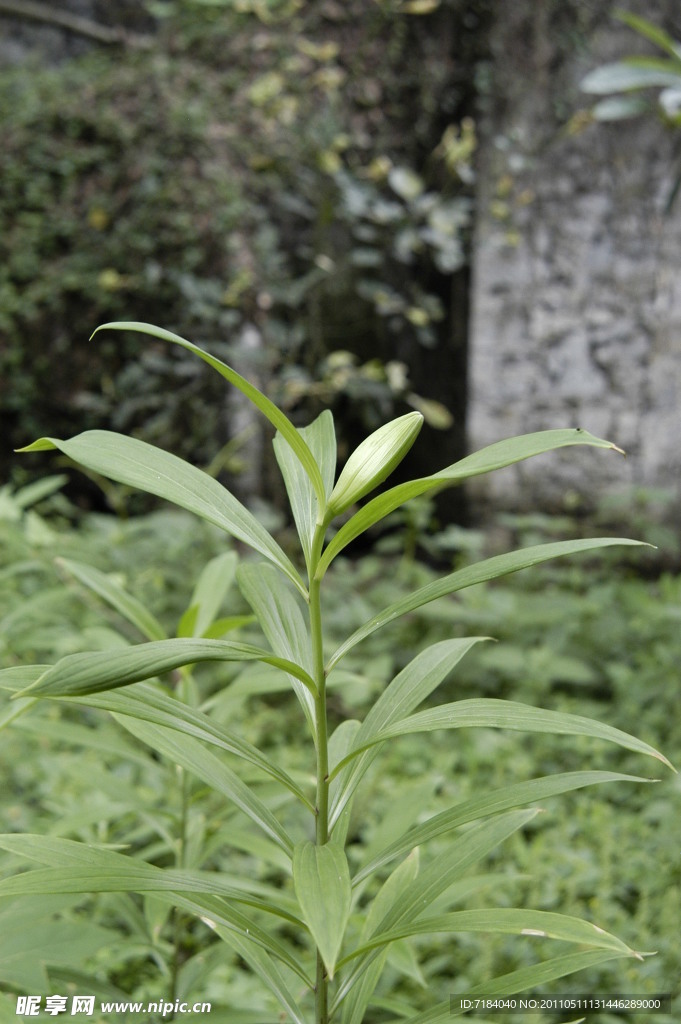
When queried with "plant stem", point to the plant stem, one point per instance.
{"points": [[322, 801]]}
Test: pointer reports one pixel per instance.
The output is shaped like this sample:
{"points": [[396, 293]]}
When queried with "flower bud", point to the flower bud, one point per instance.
{"points": [[374, 460]]}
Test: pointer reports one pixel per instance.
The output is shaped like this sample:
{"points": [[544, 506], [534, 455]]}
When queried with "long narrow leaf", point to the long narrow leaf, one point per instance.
{"points": [[538, 923], [494, 456], [320, 436], [489, 713], [406, 691], [284, 626], [93, 671], [264, 968], [141, 465], [442, 872], [481, 572], [131, 875], [505, 799], [260, 401]]}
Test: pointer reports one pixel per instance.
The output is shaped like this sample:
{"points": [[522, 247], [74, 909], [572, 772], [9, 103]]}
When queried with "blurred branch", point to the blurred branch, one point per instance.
{"points": [[34, 10]]}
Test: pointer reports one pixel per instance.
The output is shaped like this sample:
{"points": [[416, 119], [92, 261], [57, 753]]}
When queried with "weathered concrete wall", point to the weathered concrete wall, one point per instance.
{"points": [[577, 268]]}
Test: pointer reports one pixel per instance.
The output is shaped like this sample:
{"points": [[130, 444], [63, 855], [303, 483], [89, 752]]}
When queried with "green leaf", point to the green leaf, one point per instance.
{"points": [[93, 671], [321, 878], [388, 895], [116, 596], [209, 592], [624, 75], [264, 968], [281, 619], [321, 439], [437, 877], [141, 465], [498, 800], [619, 108], [652, 32], [536, 923], [374, 460], [406, 691], [481, 572], [260, 401], [107, 871], [489, 713], [150, 704], [494, 456]]}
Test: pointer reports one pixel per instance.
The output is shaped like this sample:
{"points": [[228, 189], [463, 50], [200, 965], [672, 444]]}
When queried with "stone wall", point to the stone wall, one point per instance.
{"points": [[577, 268]]}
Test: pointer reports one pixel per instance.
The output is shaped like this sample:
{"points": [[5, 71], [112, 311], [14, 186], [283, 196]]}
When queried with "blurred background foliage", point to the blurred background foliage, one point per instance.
{"points": [[281, 182]]}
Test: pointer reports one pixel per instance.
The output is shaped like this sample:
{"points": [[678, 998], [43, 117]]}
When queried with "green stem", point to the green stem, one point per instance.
{"points": [[322, 801]]}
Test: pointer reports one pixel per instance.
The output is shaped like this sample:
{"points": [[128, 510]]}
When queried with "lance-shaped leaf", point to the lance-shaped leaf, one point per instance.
{"points": [[277, 609], [494, 456], [373, 461], [141, 465], [321, 878], [406, 691], [260, 401], [537, 923], [116, 596], [481, 572], [93, 671], [321, 438], [498, 800], [489, 713], [624, 75], [106, 870], [437, 877]]}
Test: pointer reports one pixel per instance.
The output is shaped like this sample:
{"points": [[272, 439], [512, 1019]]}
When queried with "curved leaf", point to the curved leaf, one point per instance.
{"points": [[517, 981], [481, 572], [320, 436], [509, 921], [407, 690], [516, 795], [141, 465], [494, 456], [490, 713], [260, 401], [93, 671], [624, 75]]}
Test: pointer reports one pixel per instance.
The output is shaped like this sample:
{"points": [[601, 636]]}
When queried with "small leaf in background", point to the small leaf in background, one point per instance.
{"points": [[321, 878]]}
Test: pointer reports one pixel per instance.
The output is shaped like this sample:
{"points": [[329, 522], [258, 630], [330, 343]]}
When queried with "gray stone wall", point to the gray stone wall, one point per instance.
{"points": [[577, 268]]}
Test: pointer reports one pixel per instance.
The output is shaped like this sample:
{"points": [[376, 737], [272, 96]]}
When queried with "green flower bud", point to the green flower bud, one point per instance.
{"points": [[374, 460]]}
